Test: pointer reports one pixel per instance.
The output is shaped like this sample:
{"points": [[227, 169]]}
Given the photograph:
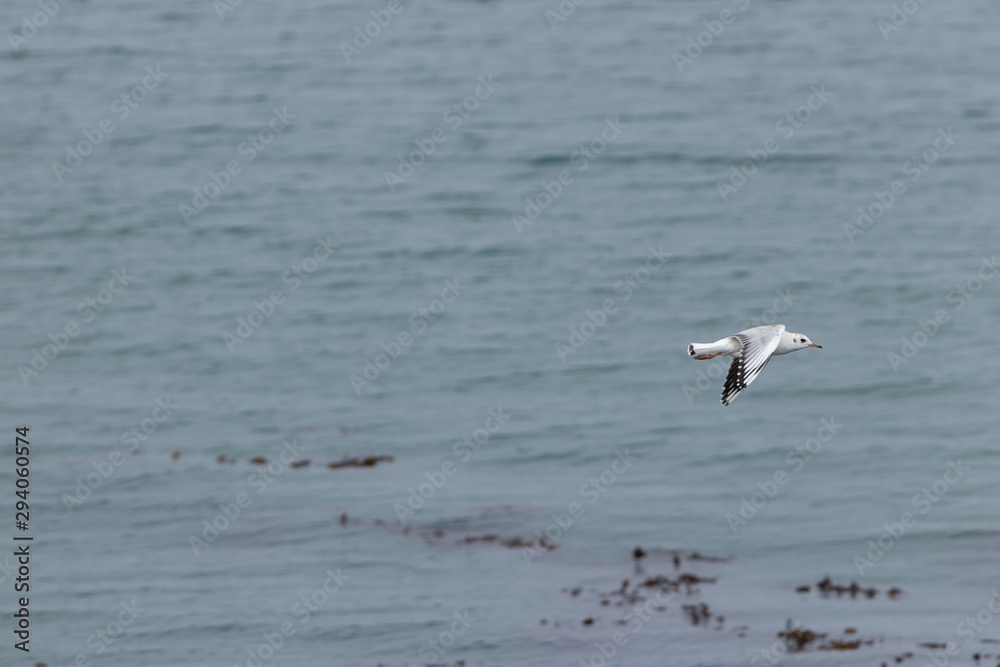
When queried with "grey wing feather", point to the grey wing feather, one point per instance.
{"points": [[757, 348]]}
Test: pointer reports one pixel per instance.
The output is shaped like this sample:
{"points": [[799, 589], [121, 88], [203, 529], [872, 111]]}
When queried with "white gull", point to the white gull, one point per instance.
{"points": [[751, 349]]}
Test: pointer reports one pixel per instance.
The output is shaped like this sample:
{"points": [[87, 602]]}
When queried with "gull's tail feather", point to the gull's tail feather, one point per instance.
{"points": [[697, 349], [709, 350]]}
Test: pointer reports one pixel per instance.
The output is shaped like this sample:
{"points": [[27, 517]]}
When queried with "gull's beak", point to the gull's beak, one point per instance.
{"points": [[815, 345]]}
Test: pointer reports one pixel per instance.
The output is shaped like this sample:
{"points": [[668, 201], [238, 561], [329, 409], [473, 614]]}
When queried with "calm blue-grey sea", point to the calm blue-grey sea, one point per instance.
{"points": [[477, 238]]}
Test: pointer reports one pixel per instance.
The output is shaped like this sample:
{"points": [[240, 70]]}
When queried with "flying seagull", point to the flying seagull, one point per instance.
{"points": [[751, 350]]}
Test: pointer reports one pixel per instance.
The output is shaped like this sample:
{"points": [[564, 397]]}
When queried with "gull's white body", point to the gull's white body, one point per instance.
{"points": [[752, 349], [730, 346]]}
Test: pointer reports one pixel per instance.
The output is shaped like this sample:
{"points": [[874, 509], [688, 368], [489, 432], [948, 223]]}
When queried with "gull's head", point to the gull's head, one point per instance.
{"points": [[801, 341]]}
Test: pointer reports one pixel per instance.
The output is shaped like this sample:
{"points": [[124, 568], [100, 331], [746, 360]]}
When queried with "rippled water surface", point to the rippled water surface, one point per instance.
{"points": [[479, 242]]}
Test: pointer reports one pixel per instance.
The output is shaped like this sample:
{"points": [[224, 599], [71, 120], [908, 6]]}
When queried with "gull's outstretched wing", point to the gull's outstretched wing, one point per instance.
{"points": [[757, 346]]}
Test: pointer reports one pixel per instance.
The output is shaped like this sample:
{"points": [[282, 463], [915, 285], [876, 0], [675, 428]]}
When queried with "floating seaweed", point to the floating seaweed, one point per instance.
{"points": [[678, 556], [698, 614], [798, 638], [694, 555], [841, 645], [360, 461], [827, 587], [689, 582], [511, 542]]}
